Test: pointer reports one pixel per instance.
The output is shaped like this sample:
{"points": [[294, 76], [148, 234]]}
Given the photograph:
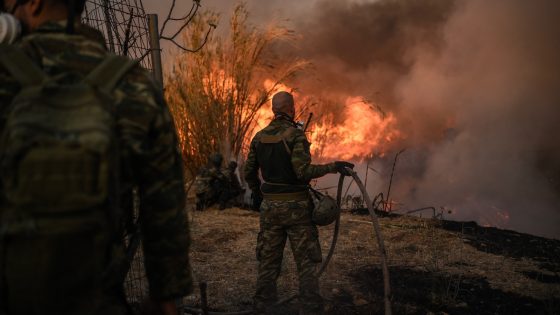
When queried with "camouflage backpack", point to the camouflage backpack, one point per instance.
{"points": [[58, 182]]}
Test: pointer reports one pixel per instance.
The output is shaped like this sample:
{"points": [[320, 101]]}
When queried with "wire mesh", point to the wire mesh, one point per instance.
{"points": [[136, 283], [124, 25]]}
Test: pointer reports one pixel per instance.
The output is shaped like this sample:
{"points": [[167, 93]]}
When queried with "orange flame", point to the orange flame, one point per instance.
{"points": [[362, 132], [356, 133]]}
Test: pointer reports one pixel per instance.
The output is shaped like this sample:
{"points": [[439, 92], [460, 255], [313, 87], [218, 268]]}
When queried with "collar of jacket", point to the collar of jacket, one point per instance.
{"points": [[283, 120], [80, 29]]}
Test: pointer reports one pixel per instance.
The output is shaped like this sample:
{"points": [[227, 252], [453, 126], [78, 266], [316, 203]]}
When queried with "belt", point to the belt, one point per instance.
{"points": [[300, 195]]}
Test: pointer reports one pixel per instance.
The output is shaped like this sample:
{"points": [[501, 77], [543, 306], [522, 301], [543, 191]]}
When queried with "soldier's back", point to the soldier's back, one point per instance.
{"points": [[39, 281]]}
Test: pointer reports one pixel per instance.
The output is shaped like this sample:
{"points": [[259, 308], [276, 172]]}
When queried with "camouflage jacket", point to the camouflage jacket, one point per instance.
{"points": [[296, 156], [148, 147], [208, 180]]}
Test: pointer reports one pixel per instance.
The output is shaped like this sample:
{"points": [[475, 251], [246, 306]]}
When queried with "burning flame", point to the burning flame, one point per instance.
{"points": [[362, 132], [358, 132]]}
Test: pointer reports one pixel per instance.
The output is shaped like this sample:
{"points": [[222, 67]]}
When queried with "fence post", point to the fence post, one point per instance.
{"points": [[155, 49]]}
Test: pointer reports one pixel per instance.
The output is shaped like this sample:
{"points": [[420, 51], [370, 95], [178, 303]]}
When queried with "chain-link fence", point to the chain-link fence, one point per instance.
{"points": [[124, 25]]}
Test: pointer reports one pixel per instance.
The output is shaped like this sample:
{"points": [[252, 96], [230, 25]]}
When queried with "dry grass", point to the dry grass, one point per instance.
{"points": [[425, 259]]}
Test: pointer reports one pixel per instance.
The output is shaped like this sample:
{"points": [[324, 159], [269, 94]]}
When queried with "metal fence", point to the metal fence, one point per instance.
{"points": [[124, 24]]}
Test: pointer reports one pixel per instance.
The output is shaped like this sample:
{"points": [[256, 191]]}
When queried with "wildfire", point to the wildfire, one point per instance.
{"points": [[357, 132], [362, 131]]}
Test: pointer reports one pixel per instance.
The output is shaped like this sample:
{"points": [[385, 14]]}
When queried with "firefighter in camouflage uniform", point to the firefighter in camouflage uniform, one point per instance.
{"points": [[211, 184], [281, 153], [81, 154]]}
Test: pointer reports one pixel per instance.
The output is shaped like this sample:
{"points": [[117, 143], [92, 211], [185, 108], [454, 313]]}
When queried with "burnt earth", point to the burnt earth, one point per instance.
{"points": [[509, 243], [421, 292], [436, 266]]}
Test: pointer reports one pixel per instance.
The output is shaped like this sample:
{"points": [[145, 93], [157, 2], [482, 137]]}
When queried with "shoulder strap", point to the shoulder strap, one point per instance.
{"points": [[285, 135], [109, 72], [20, 66], [288, 132], [279, 137]]}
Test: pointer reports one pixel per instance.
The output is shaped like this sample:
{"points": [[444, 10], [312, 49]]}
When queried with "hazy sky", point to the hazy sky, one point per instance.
{"points": [[473, 84]]}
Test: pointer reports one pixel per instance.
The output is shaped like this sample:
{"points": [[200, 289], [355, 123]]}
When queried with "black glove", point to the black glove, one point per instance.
{"points": [[342, 167], [256, 199]]}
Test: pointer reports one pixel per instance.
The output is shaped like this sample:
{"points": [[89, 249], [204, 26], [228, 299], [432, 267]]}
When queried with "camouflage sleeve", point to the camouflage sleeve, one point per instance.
{"points": [[301, 160], [251, 171], [148, 128], [8, 89]]}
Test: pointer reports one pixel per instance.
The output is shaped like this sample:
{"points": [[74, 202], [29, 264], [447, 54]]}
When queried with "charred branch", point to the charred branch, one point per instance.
{"points": [[391, 181]]}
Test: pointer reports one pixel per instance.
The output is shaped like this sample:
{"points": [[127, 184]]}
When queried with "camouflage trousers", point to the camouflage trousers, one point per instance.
{"points": [[281, 220]]}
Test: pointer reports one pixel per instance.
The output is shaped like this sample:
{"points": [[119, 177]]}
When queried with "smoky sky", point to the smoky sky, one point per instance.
{"points": [[366, 48], [474, 85]]}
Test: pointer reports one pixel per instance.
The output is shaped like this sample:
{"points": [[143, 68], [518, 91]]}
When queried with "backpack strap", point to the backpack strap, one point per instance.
{"points": [[109, 72], [285, 135], [279, 137], [20, 66]]}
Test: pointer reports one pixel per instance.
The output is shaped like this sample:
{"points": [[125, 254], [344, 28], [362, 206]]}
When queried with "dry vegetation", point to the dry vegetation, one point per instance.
{"points": [[215, 94], [437, 267]]}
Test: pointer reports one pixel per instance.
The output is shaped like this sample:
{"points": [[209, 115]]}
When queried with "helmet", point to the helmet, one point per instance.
{"points": [[325, 211]]}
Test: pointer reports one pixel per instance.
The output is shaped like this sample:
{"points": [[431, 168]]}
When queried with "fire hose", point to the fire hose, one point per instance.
{"points": [[323, 267]]}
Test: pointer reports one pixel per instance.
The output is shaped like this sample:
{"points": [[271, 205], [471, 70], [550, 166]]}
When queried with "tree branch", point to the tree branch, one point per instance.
{"points": [[172, 39], [186, 20]]}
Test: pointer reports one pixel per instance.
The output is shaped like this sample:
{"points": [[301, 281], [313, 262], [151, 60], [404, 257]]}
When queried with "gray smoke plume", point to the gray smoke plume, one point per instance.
{"points": [[496, 78], [475, 87]]}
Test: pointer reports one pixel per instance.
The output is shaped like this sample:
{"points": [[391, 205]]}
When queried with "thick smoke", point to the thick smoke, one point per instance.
{"points": [[367, 48], [475, 86], [497, 78]]}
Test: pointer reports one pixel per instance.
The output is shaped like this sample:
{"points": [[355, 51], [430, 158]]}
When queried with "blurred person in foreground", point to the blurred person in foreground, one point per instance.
{"points": [[281, 152], [80, 128]]}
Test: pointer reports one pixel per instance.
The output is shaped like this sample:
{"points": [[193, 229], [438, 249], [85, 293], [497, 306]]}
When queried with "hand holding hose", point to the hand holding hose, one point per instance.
{"points": [[342, 167]]}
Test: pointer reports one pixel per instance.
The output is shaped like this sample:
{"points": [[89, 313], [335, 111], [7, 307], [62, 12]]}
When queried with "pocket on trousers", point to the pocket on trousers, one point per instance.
{"points": [[314, 250]]}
